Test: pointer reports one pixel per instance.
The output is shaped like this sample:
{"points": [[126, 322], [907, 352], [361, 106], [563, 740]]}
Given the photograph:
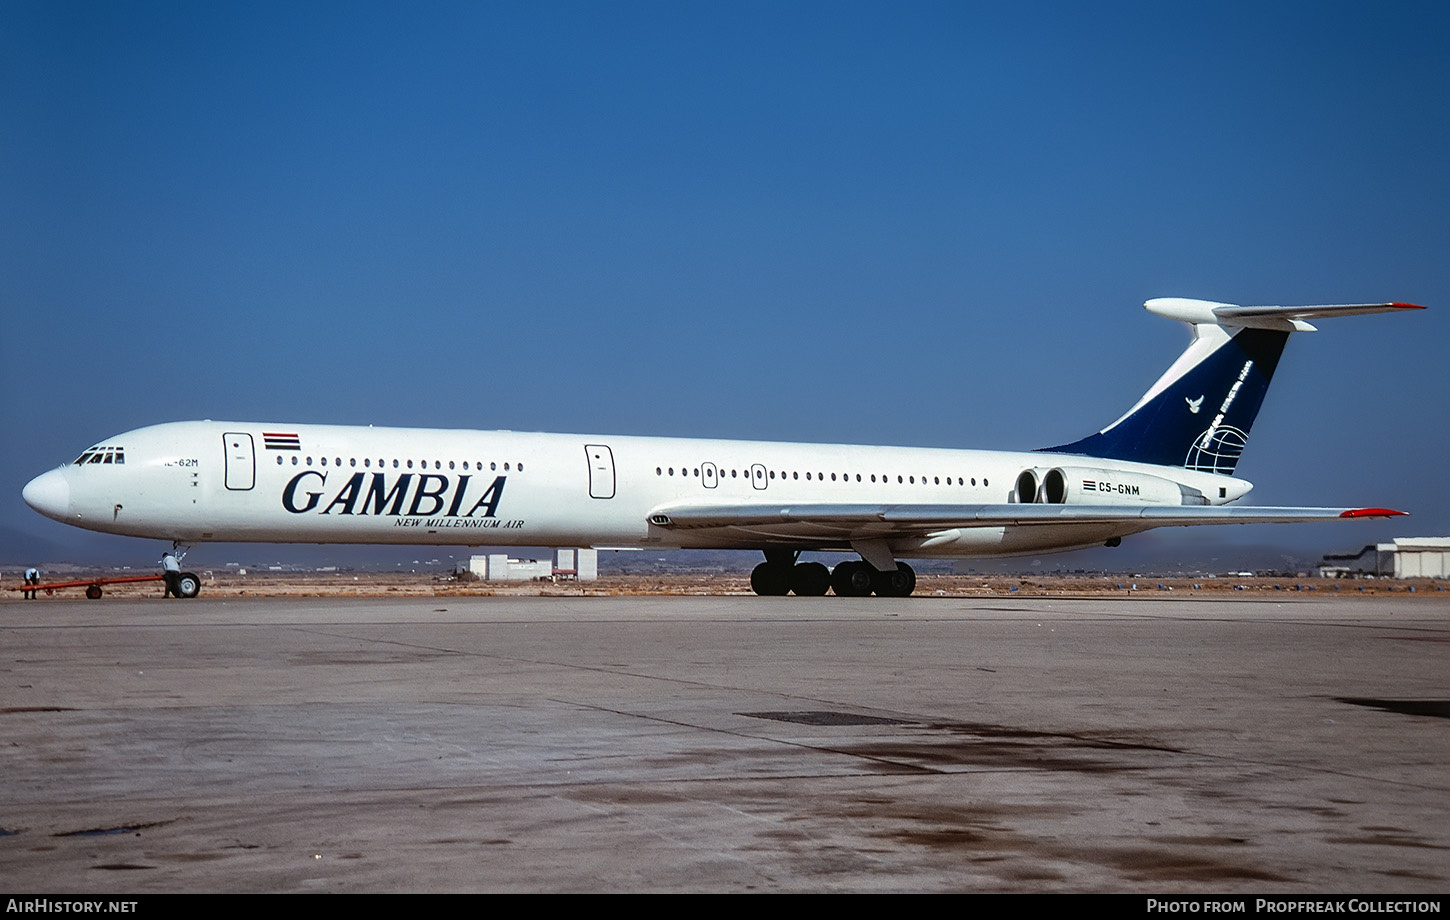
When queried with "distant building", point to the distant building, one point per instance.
{"points": [[1404, 557], [578, 564]]}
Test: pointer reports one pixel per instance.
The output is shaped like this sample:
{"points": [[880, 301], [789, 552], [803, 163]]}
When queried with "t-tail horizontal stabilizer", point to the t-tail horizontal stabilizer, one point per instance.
{"points": [[1198, 414]]}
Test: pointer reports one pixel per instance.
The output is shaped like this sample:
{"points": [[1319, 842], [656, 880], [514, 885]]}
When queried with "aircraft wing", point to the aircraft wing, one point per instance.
{"points": [[876, 521]]}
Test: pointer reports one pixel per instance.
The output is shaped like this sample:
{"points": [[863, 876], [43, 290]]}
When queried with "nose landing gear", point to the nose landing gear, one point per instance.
{"points": [[182, 584]]}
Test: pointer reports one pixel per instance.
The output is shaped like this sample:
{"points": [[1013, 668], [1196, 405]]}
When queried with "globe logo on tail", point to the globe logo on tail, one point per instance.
{"points": [[1217, 450]]}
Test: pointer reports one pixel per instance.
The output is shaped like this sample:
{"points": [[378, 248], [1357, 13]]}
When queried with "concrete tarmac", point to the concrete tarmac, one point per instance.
{"points": [[726, 744]]}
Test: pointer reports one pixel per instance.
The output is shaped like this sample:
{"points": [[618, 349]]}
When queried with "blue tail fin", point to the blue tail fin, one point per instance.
{"points": [[1199, 413]]}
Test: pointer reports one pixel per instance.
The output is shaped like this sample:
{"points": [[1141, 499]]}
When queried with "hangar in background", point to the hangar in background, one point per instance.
{"points": [[1404, 557], [567, 564]]}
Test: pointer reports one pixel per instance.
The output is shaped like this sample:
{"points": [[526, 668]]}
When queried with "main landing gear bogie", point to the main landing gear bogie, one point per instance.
{"points": [[774, 578], [777, 577], [852, 579]]}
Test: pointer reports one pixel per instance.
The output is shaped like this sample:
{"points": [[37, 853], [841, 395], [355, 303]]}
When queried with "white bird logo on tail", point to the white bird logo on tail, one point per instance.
{"points": [[1193, 404]]}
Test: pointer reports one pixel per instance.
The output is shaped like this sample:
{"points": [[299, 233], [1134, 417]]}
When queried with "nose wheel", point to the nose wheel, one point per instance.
{"points": [[188, 585], [182, 584]]}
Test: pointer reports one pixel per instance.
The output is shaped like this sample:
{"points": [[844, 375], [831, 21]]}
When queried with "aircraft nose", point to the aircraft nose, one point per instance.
{"points": [[49, 493]]}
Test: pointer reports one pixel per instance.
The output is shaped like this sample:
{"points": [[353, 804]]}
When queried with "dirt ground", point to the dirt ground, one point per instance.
{"points": [[391, 584]]}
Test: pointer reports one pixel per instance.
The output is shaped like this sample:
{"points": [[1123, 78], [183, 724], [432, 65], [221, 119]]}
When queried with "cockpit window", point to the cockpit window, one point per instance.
{"points": [[102, 455]]}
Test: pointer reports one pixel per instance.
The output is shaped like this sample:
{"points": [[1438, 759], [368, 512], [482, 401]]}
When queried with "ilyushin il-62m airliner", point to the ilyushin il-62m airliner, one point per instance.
{"points": [[1169, 461]]}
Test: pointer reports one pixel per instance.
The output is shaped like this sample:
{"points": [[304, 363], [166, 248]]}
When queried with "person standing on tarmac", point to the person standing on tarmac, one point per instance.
{"points": [[32, 577], [171, 571]]}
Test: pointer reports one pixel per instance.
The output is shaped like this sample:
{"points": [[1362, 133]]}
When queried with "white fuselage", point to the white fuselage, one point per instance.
{"points": [[197, 482]]}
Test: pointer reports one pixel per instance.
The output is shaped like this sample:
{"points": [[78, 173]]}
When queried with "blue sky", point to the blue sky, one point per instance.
{"points": [[919, 223]]}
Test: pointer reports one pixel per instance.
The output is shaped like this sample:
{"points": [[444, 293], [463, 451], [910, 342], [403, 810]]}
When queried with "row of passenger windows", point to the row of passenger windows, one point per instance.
{"points": [[821, 477], [367, 462]]}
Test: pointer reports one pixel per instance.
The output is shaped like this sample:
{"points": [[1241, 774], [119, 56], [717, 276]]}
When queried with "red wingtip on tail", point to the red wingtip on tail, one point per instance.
{"points": [[1372, 513], [1407, 306]]}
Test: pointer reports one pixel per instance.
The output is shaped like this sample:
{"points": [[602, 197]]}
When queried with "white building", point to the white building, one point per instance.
{"points": [[1404, 557], [578, 564]]}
